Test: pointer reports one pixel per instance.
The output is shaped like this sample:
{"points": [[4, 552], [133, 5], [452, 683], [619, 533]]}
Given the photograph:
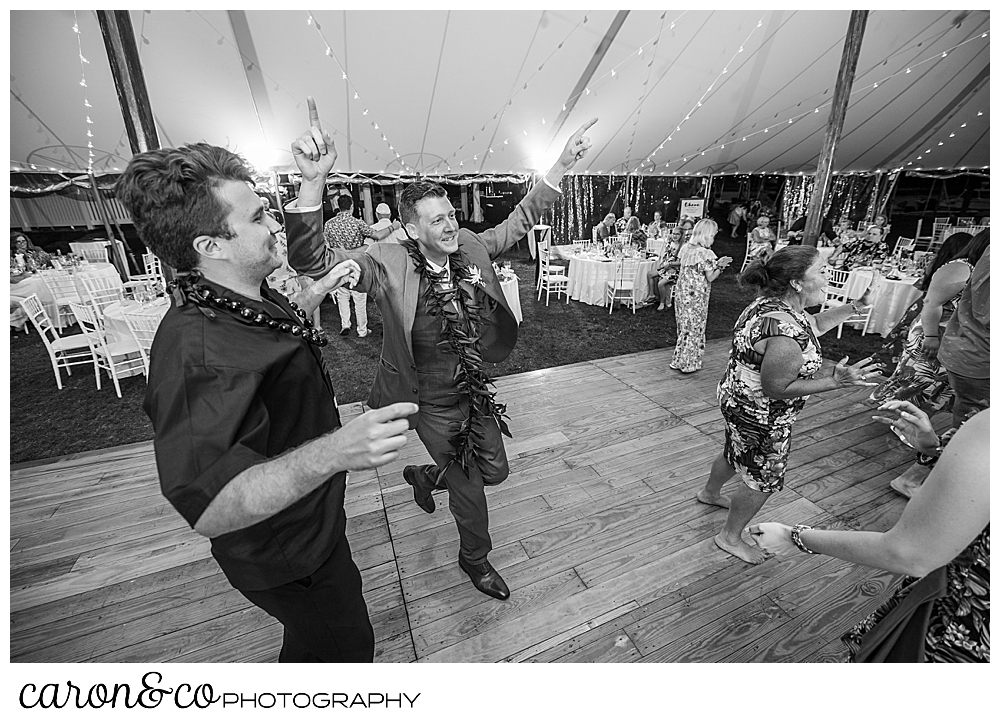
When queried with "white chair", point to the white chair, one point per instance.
{"points": [[114, 357], [904, 246], [655, 246], [836, 295], [63, 289], [102, 291], [966, 221], [549, 279], [96, 252], [64, 351], [622, 284], [143, 327], [943, 220], [862, 225]]}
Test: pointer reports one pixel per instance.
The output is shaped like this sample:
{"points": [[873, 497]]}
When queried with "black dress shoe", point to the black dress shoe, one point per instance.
{"points": [[423, 499], [485, 578], [345, 331]]}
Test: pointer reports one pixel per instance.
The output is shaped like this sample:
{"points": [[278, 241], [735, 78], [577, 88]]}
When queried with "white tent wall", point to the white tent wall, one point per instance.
{"points": [[483, 91]]}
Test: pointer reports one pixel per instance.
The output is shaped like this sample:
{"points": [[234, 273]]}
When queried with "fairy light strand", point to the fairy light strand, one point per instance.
{"points": [[86, 101]]}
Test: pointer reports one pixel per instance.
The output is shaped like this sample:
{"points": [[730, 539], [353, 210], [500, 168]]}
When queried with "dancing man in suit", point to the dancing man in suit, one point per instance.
{"points": [[444, 313]]}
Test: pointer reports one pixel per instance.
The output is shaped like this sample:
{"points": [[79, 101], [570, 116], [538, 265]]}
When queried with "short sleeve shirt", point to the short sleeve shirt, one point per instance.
{"points": [[344, 231], [225, 395]]}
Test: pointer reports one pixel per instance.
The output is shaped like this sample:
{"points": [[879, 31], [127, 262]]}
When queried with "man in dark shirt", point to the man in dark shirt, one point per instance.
{"points": [[798, 231], [248, 441]]}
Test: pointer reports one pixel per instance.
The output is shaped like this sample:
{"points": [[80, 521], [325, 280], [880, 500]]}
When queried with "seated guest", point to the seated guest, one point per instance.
{"points": [[760, 243], [627, 224], [605, 228], [26, 256], [863, 250], [657, 227], [663, 277], [798, 231]]}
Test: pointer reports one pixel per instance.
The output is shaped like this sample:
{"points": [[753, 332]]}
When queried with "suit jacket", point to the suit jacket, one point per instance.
{"points": [[388, 275]]}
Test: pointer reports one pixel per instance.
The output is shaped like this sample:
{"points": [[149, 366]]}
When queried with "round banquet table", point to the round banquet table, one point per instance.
{"points": [[22, 290], [511, 292], [890, 297], [117, 329], [588, 280]]}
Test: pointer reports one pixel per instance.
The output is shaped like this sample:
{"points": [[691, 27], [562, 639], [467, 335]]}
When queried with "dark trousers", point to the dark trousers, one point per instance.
{"points": [[436, 425], [971, 396], [324, 614]]}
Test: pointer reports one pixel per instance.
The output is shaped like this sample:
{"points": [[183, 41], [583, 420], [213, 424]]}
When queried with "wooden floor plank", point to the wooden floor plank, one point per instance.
{"points": [[596, 530]]}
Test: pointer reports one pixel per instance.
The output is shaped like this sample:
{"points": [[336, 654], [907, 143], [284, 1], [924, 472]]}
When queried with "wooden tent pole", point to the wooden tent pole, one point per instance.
{"points": [[123, 55], [838, 111], [120, 263]]}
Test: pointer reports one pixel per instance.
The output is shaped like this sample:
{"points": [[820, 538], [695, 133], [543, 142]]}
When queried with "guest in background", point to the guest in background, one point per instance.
{"points": [[737, 219], [919, 376], [761, 240], [686, 226], [881, 222], [798, 231], [661, 279], [863, 249], [772, 370], [965, 346], [346, 232], [26, 256], [940, 613], [605, 229], [383, 215], [657, 227], [699, 267], [627, 224]]}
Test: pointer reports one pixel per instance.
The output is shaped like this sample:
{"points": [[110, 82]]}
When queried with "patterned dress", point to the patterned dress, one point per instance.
{"points": [[917, 379], [758, 428], [691, 306]]}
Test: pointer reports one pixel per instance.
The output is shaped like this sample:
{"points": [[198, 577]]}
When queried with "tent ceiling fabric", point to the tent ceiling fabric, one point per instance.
{"points": [[446, 87]]}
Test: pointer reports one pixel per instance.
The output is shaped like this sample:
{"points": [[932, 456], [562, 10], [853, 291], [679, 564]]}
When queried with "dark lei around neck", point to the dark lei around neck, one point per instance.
{"points": [[186, 288], [463, 340]]}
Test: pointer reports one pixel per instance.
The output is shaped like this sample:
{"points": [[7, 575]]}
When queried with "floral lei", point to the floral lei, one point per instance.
{"points": [[464, 342]]}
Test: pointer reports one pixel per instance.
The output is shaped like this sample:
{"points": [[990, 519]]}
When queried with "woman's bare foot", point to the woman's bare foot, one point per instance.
{"points": [[718, 500], [660, 307], [747, 553]]}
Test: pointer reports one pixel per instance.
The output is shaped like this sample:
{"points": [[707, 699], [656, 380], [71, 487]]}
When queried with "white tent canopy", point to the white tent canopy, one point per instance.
{"points": [[497, 92]]}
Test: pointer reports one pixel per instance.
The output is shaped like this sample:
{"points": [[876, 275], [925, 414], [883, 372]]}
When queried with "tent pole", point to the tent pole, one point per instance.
{"points": [[126, 68], [120, 263], [838, 111], [123, 56]]}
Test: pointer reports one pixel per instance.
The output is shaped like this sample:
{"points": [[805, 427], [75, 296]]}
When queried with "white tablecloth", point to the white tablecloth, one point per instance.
{"points": [[588, 280], [34, 285], [890, 297], [511, 292]]}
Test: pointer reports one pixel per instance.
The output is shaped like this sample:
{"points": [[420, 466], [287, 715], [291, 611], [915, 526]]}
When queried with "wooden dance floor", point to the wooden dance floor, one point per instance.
{"points": [[597, 532]]}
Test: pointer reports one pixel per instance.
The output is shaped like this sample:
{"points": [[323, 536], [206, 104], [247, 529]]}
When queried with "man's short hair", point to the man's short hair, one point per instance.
{"points": [[413, 194], [345, 202], [171, 196]]}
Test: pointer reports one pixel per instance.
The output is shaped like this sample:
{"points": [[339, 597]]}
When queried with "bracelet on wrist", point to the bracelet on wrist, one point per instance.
{"points": [[930, 336], [797, 538]]}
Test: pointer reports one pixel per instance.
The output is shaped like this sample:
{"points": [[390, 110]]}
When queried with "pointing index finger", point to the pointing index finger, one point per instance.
{"points": [[586, 126], [313, 113]]}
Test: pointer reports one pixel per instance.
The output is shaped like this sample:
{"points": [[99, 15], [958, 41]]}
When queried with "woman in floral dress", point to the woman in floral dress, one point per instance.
{"points": [[661, 279], [919, 376], [699, 268], [941, 611], [772, 369]]}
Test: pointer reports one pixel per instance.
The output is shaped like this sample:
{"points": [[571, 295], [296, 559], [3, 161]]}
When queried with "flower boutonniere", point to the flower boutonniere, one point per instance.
{"points": [[474, 276]]}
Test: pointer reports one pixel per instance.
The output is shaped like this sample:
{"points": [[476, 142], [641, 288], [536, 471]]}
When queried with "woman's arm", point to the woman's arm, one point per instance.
{"points": [[947, 281], [713, 271], [942, 518], [779, 372], [834, 317]]}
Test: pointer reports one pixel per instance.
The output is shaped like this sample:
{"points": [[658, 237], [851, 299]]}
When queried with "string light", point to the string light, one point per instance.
{"points": [[83, 84]]}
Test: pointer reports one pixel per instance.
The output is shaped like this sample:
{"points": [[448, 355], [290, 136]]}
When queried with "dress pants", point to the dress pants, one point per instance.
{"points": [[324, 614], [343, 297], [971, 396], [436, 425]]}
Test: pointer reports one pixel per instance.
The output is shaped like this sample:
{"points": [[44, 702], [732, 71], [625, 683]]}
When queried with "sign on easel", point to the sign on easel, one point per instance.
{"points": [[693, 208]]}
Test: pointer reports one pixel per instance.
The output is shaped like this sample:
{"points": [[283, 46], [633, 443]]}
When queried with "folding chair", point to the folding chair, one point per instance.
{"points": [[622, 284], [551, 278], [114, 357], [904, 245], [64, 351], [966, 220], [655, 246], [96, 252], [143, 326], [102, 291], [836, 295], [63, 289]]}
